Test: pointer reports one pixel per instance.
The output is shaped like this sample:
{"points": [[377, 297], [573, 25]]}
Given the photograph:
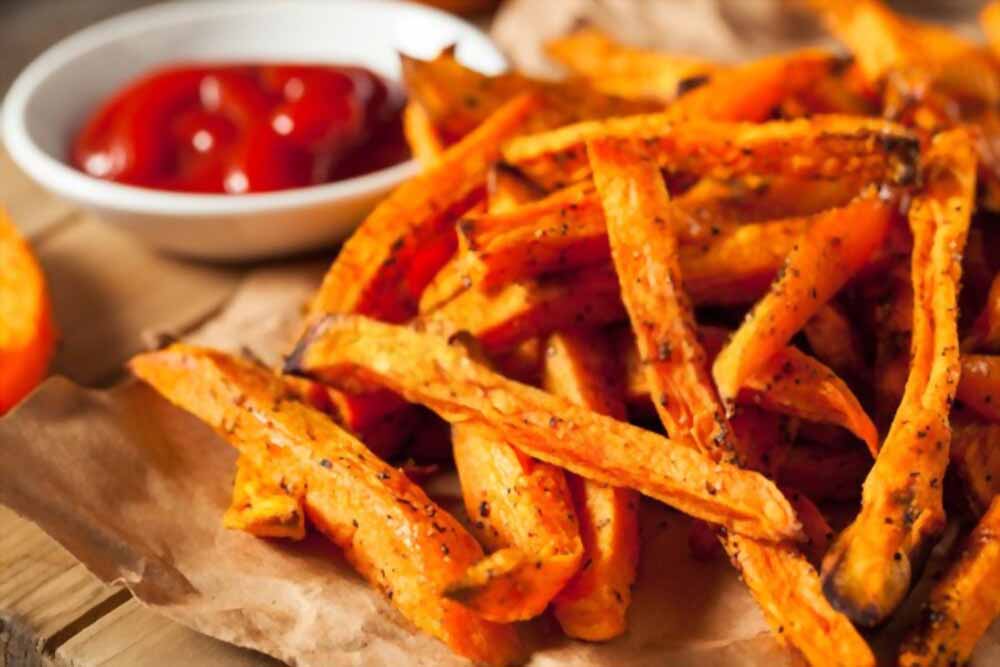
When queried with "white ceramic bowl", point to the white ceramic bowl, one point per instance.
{"points": [[50, 100]]}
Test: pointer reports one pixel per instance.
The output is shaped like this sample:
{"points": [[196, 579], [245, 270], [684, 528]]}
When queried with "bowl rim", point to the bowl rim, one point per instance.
{"points": [[65, 180]]}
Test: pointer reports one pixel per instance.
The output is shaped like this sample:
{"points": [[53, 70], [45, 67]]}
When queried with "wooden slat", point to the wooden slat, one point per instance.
{"points": [[132, 635], [107, 288], [45, 594]]}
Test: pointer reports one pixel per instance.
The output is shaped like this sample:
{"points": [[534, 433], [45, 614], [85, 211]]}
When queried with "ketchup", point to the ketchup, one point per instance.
{"points": [[244, 128]]}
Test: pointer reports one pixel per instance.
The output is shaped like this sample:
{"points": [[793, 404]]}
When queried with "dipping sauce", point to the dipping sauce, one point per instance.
{"points": [[244, 128]]}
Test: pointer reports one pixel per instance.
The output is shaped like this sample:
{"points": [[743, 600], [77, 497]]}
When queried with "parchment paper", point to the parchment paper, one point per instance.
{"points": [[136, 489]]}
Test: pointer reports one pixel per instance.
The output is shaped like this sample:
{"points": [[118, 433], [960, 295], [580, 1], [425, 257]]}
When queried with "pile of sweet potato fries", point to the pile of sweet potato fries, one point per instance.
{"points": [[734, 289]]}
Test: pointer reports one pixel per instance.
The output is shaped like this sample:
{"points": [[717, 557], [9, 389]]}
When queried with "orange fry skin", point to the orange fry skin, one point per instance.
{"points": [[579, 366], [372, 273], [644, 250], [520, 504], [963, 604], [426, 369], [826, 148], [27, 330], [868, 570], [835, 247], [390, 531]]}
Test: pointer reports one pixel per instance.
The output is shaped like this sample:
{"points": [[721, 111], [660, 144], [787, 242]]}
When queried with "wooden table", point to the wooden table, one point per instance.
{"points": [[107, 289]]}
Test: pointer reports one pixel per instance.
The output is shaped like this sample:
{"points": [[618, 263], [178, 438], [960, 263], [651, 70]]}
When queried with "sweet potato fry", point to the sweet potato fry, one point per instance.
{"points": [[425, 369], [791, 383], [834, 342], [824, 472], [458, 99], [833, 249], [979, 387], [627, 71], [268, 496], [975, 456], [751, 92], [390, 531], [644, 250], [371, 274], [27, 332], [523, 310], [829, 147], [963, 604], [579, 366], [518, 504], [868, 570], [425, 142]]}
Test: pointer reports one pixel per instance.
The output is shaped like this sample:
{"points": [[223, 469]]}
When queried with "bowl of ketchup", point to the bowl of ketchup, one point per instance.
{"points": [[230, 130]]}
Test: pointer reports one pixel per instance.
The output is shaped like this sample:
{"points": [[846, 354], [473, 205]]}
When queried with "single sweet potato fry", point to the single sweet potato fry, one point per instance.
{"points": [[526, 309], [752, 91], [963, 604], [426, 369], [371, 275], [975, 456], [580, 366], [390, 531], [829, 147], [627, 71], [834, 342], [979, 387], [519, 504], [868, 570], [27, 332], [644, 250], [425, 142], [833, 249]]}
